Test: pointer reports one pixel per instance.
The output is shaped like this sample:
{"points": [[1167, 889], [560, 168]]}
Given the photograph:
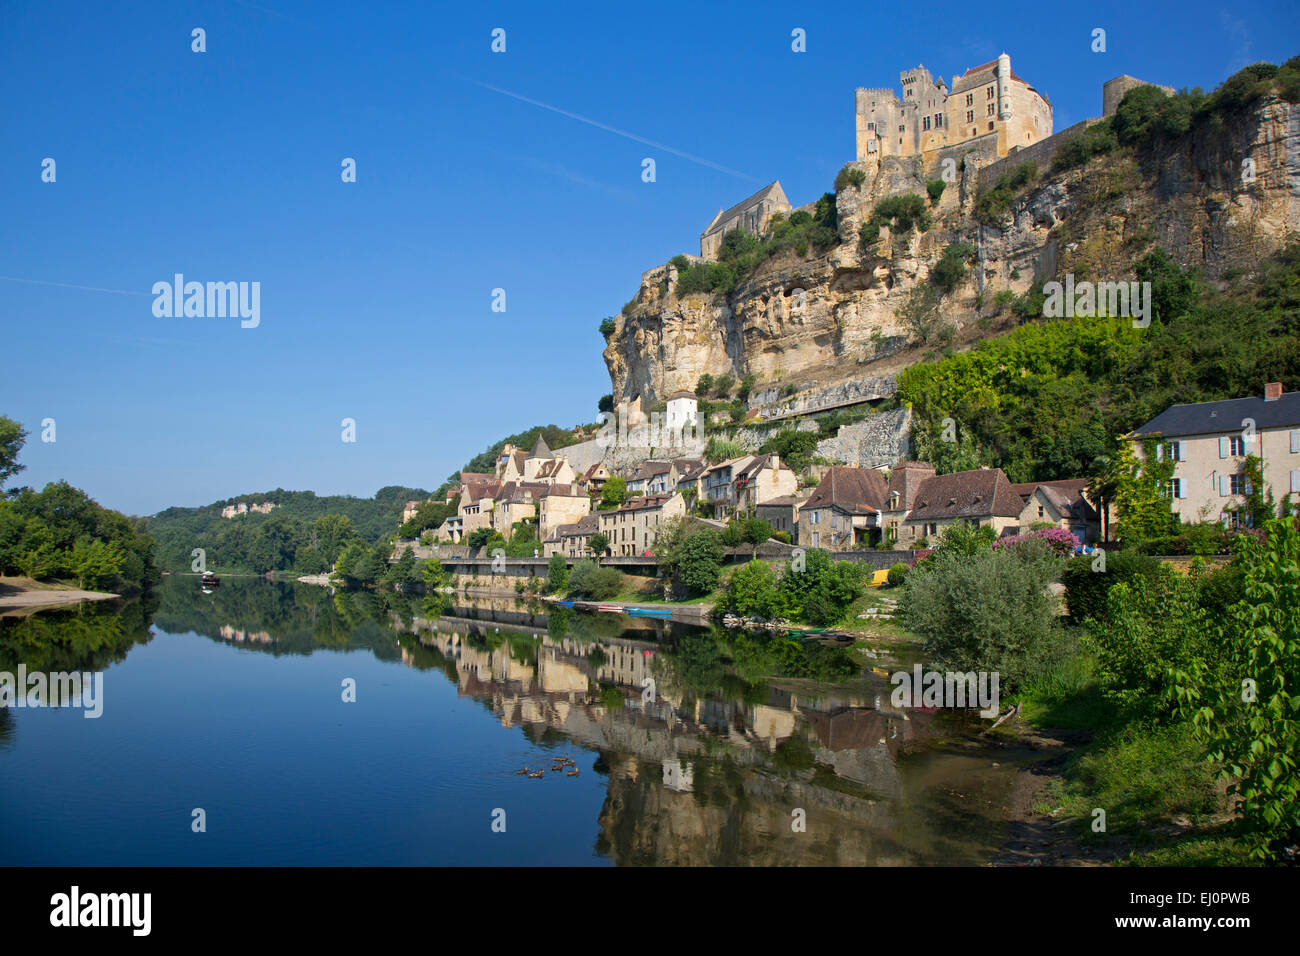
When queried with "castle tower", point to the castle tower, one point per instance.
{"points": [[1004, 87]]}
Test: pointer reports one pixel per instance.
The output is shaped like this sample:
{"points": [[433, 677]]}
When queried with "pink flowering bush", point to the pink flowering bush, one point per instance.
{"points": [[1059, 540]]}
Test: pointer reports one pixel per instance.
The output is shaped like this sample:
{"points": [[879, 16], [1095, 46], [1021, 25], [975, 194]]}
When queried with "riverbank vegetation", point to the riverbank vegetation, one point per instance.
{"points": [[61, 534]]}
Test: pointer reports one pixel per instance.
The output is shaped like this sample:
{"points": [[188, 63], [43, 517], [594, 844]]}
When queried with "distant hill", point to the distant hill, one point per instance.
{"points": [[304, 532]]}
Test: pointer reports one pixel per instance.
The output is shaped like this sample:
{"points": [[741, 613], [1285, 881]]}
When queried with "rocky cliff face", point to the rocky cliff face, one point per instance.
{"points": [[1216, 201]]}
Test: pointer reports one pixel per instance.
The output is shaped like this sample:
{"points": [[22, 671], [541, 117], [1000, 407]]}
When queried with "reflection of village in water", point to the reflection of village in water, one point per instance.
{"points": [[704, 765]]}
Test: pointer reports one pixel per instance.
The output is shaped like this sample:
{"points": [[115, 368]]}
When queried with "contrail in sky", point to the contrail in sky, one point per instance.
{"points": [[618, 132], [65, 285]]}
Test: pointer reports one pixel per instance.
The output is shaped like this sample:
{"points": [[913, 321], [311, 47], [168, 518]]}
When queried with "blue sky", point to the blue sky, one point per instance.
{"points": [[376, 295]]}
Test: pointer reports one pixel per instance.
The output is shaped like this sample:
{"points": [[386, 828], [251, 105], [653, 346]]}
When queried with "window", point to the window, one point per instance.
{"points": [[938, 120], [990, 126], [990, 112], [1172, 451], [871, 127], [1041, 512], [1236, 445], [934, 527], [970, 99], [1238, 485], [989, 93], [970, 117], [925, 122], [815, 539], [1176, 488]]}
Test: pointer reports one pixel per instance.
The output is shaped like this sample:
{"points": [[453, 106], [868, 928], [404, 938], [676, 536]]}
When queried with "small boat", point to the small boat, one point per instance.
{"points": [[656, 612], [564, 604], [610, 608], [209, 580]]}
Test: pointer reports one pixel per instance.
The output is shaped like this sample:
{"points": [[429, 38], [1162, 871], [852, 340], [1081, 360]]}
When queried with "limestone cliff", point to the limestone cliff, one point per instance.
{"points": [[819, 321]]}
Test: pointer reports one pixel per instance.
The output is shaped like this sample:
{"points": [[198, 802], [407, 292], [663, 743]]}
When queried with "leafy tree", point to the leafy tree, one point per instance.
{"points": [[557, 573], [704, 385], [480, 537], [614, 492], [1140, 494], [796, 448], [695, 560], [12, 439], [606, 403], [599, 543], [607, 326], [1248, 712]]}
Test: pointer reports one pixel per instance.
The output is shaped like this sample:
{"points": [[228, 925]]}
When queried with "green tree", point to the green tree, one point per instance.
{"points": [[598, 543], [614, 492], [1249, 711], [557, 573], [12, 438]]}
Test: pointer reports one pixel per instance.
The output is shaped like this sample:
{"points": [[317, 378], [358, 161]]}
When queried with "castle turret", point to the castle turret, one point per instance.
{"points": [[1004, 87]]}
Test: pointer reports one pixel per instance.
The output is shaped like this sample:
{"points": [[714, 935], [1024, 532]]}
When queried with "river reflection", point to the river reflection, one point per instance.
{"points": [[711, 747]]}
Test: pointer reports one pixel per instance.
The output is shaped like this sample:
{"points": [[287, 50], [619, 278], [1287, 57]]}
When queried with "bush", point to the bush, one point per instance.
{"points": [[696, 561], [607, 327], [754, 590], [935, 188], [589, 579], [989, 611], [949, 271], [1086, 589], [898, 574], [557, 573], [992, 205], [849, 176]]}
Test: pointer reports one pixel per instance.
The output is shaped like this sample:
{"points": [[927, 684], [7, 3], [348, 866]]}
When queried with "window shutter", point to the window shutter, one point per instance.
{"points": [[1223, 448], [1223, 481], [1182, 453], [1295, 442], [1295, 480], [1160, 452]]}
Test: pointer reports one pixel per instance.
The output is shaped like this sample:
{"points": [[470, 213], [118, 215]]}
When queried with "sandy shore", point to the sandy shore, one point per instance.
{"points": [[25, 593]]}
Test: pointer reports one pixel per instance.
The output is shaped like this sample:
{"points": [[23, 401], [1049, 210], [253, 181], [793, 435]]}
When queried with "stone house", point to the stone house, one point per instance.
{"points": [[690, 471], [715, 485], [560, 505], [1063, 504], [751, 215], [905, 479], [981, 497], [782, 514], [1209, 442], [594, 478], [764, 478], [632, 527], [652, 478], [573, 540], [844, 511]]}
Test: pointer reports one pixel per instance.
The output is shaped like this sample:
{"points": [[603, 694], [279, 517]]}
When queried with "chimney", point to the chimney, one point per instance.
{"points": [[1272, 391]]}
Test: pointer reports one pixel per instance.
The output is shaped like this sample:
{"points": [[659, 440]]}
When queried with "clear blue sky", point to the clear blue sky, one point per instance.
{"points": [[376, 296]]}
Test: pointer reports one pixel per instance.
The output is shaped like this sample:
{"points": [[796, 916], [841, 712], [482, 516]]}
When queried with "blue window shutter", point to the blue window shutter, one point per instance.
{"points": [[1224, 482], [1182, 453], [1223, 447], [1295, 442], [1160, 451], [1295, 481]]}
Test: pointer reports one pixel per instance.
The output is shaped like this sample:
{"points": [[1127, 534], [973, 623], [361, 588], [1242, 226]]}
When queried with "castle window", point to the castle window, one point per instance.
{"points": [[990, 92], [970, 116], [990, 125], [970, 99], [925, 122], [990, 109], [872, 126], [938, 120]]}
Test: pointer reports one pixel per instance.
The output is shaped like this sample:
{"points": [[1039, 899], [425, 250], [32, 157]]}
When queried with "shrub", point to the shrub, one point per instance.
{"points": [[949, 271], [607, 326], [935, 188], [990, 611], [605, 404], [589, 579], [696, 560], [898, 574], [1086, 589], [992, 205], [849, 176], [704, 385], [1059, 540], [754, 590], [557, 573]]}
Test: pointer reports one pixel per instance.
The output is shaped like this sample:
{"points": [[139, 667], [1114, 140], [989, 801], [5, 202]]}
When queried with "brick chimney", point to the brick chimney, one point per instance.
{"points": [[1272, 391]]}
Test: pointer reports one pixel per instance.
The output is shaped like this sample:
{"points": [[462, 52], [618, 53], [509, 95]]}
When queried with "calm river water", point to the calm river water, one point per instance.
{"points": [[744, 749]]}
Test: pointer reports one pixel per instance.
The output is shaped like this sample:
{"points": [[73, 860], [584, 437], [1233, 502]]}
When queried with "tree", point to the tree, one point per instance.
{"points": [[557, 573], [606, 403], [1140, 494], [479, 537], [598, 543], [704, 385], [919, 313], [12, 438], [613, 492], [1249, 712], [697, 560]]}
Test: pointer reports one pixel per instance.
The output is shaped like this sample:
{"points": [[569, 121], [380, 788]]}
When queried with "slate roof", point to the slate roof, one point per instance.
{"points": [[855, 490], [906, 478], [1221, 418], [983, 493], [540, 449], [1066, 493]]}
